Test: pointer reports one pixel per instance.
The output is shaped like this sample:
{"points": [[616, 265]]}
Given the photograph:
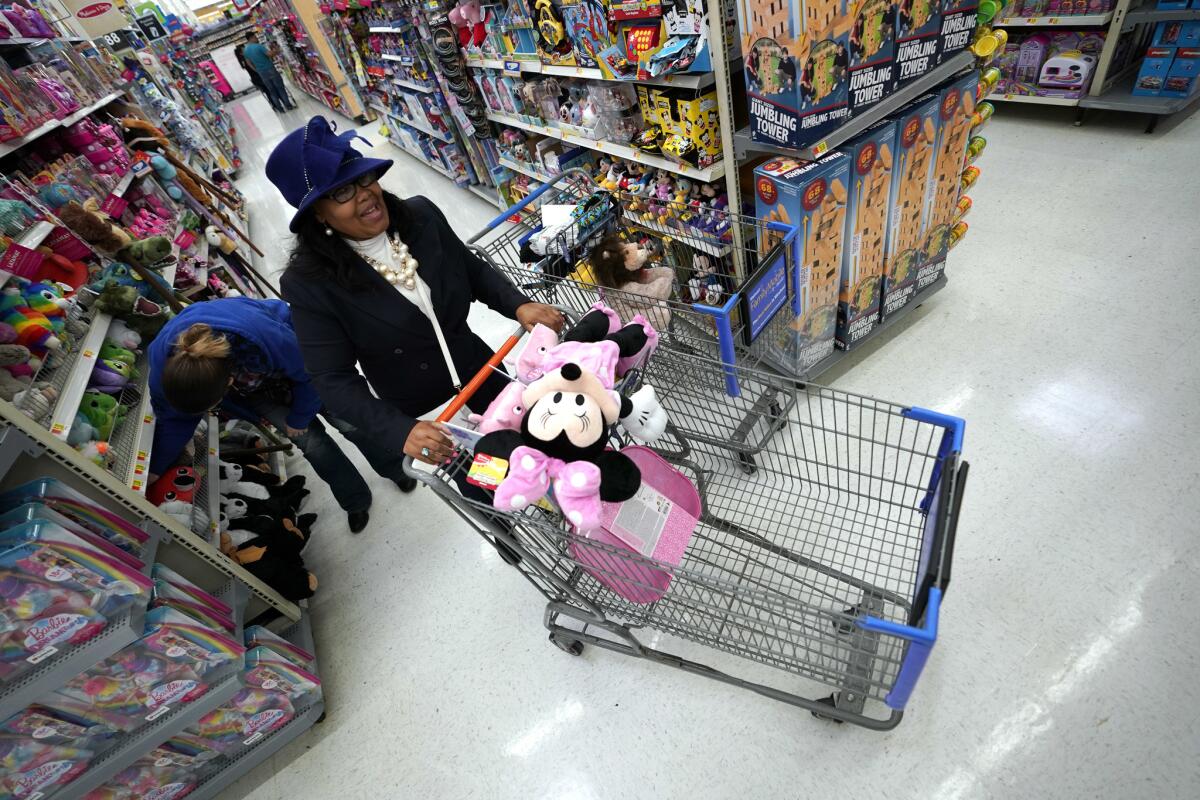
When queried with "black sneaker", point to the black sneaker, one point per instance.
{"points": [[406, 484], [358, 520]]}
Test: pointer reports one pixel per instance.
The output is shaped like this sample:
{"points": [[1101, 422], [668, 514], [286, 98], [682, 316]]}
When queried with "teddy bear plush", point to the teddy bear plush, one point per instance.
{"points": [[92, 228], [637, 287]]}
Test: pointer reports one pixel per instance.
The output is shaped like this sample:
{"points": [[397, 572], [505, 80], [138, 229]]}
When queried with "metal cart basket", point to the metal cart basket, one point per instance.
{"points": [[815, 578]]}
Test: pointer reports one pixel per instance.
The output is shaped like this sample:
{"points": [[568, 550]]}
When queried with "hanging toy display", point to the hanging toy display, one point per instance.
{"points": [[454, 69]]}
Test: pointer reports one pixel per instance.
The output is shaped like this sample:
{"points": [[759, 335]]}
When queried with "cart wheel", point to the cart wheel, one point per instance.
{"points": [[746, 462], [571, 646], [776, 412], [831, 702], [319, 719]]}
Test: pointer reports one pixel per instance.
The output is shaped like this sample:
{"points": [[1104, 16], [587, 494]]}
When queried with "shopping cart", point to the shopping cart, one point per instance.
{"points": [[827, 564], [712, 314], [733, 273]]}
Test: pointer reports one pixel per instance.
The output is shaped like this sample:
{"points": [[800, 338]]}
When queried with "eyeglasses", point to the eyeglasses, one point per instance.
{"points": [[347, 191]]}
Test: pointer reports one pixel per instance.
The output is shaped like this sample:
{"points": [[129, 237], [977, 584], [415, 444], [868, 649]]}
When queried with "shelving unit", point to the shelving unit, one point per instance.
{"points": [[1159, 15], [1036, 100], [703, 174], [687, 80], [12, 145], [1077, 20], [415, 124]]}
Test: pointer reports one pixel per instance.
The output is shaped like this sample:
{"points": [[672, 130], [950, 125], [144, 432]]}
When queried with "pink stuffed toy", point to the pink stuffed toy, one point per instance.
{"points": [[504, 413]]}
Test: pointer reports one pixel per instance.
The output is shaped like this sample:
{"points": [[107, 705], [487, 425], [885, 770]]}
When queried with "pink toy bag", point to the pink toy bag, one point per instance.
{"points": [[655, 525]]}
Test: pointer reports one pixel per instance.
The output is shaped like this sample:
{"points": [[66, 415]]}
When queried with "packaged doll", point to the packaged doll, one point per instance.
{"points": [[639, 288]]}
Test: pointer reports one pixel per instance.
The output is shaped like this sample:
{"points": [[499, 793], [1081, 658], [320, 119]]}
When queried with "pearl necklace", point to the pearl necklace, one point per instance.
{"points": [[406, 274]]}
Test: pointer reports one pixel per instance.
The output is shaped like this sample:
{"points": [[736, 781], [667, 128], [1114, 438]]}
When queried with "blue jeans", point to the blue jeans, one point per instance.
{"points": [[276, 93], [327, 459]]}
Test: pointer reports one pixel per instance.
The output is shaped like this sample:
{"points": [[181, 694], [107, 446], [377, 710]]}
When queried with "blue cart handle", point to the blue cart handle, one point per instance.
{"points": [[535, 194]]}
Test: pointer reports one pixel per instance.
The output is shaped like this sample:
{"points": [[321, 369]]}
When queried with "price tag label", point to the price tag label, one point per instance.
{"points": [[114, 206], [253, 738], [151, 27], [820, 147], [158, 712], [21, 261], [42, 655], [512, 68], [57, 428], [66, 244], [1032, 21], [140, 168]]}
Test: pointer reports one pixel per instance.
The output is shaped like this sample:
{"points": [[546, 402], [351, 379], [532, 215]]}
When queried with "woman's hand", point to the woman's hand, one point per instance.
{"points": [[531, 314], [430, 437]]}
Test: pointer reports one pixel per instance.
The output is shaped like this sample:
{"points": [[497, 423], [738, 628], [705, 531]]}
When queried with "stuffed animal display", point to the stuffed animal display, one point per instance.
{"points": [[140, 314], [563, 416]]}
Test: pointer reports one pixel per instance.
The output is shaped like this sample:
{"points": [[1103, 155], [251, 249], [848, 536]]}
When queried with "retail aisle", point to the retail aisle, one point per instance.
{"points": [[1066, 338]]}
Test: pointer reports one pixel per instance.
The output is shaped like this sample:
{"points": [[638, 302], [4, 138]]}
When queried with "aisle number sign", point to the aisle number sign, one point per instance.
{"points": [[151, 26], [96, 17]]}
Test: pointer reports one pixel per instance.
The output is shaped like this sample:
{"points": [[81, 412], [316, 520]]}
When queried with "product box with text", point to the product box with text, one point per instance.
{"points": [[865, 245], [957, 26], [813, 198], [913, 157], [797, 63], [956, 105], [918, 28], [872, 53]]}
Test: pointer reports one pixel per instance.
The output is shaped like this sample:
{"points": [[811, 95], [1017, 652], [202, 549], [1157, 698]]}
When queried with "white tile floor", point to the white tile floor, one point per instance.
{"points": [[1067, 339]]}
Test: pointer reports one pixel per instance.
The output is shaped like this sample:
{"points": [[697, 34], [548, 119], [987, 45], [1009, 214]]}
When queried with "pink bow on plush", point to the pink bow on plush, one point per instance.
{"points": [[576, 486]]}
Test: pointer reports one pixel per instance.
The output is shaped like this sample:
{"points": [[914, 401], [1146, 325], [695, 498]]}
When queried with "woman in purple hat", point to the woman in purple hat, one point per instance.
{"points": [[380, 288]]}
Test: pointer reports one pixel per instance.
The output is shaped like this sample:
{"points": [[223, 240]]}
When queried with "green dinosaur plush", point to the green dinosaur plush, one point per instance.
{"points": [[149, 252], [113, 352], [103, 412], [141, 315]]}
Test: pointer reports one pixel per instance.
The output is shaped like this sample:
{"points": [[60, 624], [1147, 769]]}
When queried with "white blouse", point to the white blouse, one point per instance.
{"points": [[380, 250]]}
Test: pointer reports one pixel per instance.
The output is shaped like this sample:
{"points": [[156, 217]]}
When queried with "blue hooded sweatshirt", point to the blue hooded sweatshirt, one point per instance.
{"points": [[266, 324]]}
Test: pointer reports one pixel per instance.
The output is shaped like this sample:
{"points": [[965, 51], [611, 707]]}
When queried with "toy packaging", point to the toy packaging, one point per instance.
{"points": [[913, 154], [258, 636], [918, 23], [813, 198], [865, 248], [1175, 33], [1152, 76], [30, 768], [797, 59], [955, 111], [31, 512], [1058, 64], [165, 773], [77, 507], [958, 24], [1181, 78], [872, 43]]}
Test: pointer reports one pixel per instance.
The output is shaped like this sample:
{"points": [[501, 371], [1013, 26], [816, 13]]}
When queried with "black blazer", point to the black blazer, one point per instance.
{"points": [[377, 328]]}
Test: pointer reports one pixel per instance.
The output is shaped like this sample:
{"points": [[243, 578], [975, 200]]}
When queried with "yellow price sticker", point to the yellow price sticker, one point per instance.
{"points": [[57, 428], [820, 147], [136, 486], [89, 353]]}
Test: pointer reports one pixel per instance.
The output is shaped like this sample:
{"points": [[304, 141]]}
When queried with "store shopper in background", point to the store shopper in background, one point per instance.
{"points": [[239, 52], [260, 59], [384, 285], [242, 355]]}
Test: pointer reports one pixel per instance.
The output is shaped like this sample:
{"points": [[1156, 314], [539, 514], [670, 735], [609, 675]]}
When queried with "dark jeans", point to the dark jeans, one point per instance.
{"points": [[276, 93], [326, 458]]}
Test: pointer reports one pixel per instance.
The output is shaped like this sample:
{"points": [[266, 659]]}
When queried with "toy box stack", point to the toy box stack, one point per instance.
{"points": [[1171, 63], [916, 137], [797, 59], [865, 244], [918, 24], [813, 197], [872, 42]]}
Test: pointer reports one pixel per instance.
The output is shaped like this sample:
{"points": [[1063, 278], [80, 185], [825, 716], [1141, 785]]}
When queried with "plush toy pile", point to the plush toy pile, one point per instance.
{"points": [[552, 426]]}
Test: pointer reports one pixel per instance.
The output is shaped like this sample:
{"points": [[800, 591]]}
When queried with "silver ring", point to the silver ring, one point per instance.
{"points": [[425, 452]]}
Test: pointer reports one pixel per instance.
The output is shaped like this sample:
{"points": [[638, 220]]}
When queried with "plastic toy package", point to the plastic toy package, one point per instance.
{"points": [[168, 595], [29, 768], [30, 512], [258, 636], [197, 594], [173, 663], [79, 508], [57, 591], [275, 689], [164, 773]]}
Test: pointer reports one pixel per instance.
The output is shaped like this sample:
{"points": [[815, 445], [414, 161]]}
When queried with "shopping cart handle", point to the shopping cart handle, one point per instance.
{"points": [[468, 391]]}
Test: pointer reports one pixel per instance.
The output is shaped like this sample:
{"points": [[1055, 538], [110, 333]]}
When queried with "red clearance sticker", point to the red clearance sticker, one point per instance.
{"points": [[866, 158], [814, 193], [766, 190]]}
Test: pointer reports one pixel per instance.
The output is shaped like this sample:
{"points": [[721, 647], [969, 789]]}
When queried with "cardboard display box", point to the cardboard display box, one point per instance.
{"points": [[913, 154], [865, 245], [918, 23], [812, 197]]}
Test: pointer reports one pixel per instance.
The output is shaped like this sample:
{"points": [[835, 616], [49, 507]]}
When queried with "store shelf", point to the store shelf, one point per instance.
{"points": [[484, 193], [123, 185], [689, 80], [1048, 22], [31, 237], [620, 150], [525, 169], [62, 664], [416, 87], [420, 157], [132, 746], [79, 373], [891, 320], [213, 481], [1119, 98], [716, 249], [745, 147], [1035, 100], [1159, 15], [12, 145], [447, 137], [136, 472]]}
